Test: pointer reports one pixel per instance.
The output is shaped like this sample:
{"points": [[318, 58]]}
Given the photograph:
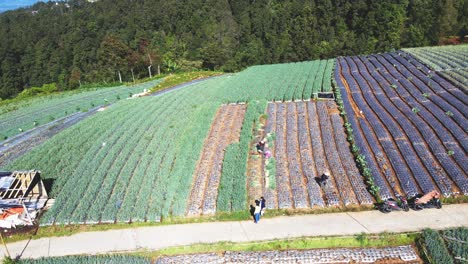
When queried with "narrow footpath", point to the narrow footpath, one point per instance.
{"points": [[285, 227]]}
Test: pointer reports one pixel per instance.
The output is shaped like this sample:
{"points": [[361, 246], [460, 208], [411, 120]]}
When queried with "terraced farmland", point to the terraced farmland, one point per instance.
{"points": [[34, 112], [132, 162], [136, 161], [450, 62], [410, 125], [310, 141]]}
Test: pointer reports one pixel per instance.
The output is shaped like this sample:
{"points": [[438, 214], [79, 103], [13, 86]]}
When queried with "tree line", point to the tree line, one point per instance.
{"points": [[75, 42]]}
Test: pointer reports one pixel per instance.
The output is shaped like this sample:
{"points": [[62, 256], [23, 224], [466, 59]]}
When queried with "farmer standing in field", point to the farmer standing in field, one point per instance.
{"points": [[257, 211]]}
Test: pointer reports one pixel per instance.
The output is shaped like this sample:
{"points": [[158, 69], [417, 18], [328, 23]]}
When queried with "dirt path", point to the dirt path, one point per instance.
{"points": [[255, 171], [21, 144], [285, 227], [269, 192]]}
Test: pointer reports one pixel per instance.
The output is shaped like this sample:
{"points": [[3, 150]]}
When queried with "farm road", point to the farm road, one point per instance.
{"points": [[285, 227]]}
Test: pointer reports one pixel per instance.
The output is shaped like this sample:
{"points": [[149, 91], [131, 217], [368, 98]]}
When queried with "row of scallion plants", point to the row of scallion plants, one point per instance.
{"points": [[447, 246], [134, 162]]}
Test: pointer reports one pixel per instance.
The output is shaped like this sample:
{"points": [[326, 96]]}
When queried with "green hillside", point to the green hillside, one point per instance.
{"points": [[76, 41]]}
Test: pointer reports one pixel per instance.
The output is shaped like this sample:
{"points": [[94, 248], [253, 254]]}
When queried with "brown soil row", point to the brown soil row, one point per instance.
{"points": [[302, 155], [225, 130]]}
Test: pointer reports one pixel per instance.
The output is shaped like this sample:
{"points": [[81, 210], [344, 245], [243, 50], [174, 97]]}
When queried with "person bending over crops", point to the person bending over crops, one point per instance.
{"points": [[261, 146]]}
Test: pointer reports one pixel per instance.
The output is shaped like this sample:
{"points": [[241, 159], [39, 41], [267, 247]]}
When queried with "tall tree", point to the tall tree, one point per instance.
{"points": [[113, 54], [447, 16], [53, 41]]}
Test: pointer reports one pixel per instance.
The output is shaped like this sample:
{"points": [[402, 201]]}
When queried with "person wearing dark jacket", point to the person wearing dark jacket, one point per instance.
{"points": [[260, 146], [262, 205]]}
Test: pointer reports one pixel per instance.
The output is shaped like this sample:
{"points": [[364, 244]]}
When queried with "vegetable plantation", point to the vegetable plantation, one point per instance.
{"points": [[410, 124], [232, 188], [457, 243], [177, 153], [442, 58], [283, 82], [395, 254], [401, 254], [310, 141], [136, 161], [25, 115], [225, 130], [450, 62]]}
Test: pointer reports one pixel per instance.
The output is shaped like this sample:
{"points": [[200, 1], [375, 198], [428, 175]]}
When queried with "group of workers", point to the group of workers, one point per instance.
{"points": [[260, 205]]}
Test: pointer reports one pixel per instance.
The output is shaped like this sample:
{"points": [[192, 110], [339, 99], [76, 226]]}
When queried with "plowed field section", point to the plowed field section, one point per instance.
{"points": [[225, 130], [310, 141], [411, 125]]}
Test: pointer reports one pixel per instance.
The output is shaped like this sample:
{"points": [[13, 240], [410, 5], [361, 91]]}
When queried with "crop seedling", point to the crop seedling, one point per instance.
{"points": [[354, 149]]}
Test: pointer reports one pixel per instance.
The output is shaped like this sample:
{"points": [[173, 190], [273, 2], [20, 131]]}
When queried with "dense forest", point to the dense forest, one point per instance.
{"points": [[77, 41]]}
